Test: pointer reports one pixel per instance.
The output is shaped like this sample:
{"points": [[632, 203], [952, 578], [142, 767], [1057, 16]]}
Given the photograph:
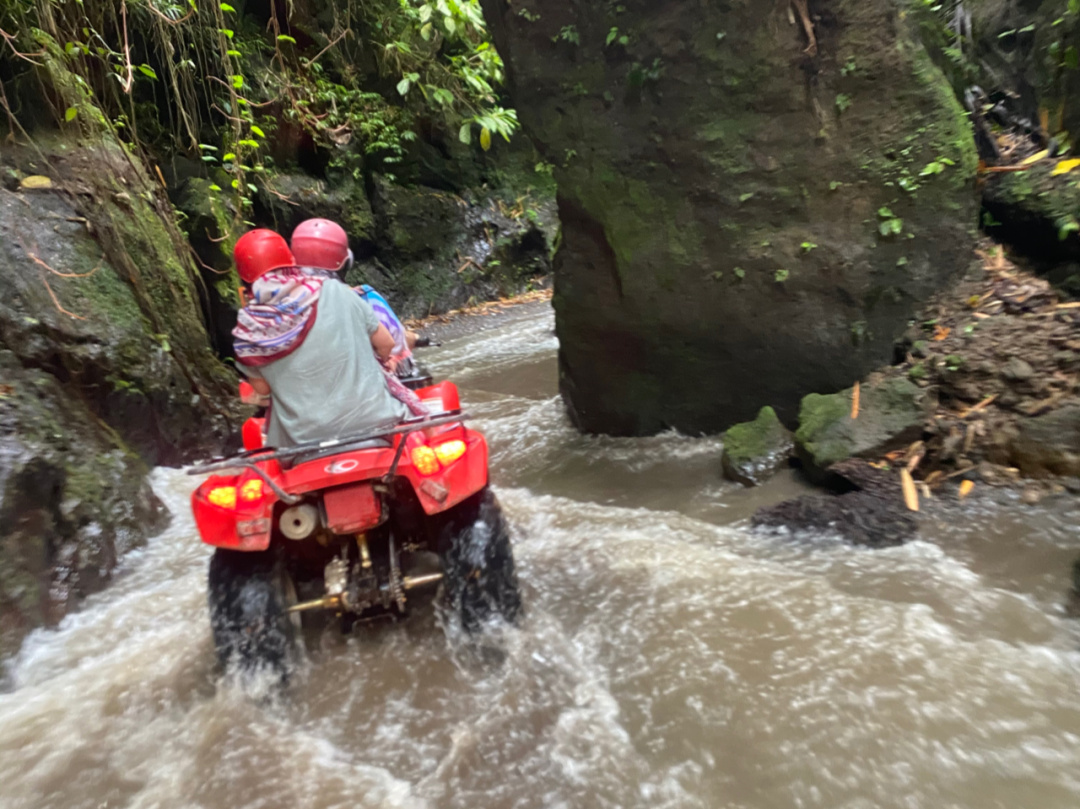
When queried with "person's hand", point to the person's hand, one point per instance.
{"points": [[391, 363]]}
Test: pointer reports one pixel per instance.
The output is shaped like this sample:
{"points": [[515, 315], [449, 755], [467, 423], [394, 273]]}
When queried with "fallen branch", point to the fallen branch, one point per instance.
{"points": [[334, 42], [911, 494], [808, 26], [185, 18]]}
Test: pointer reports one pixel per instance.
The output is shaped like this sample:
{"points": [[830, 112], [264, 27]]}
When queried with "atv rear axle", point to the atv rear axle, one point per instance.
{"points": [[334, 602]]}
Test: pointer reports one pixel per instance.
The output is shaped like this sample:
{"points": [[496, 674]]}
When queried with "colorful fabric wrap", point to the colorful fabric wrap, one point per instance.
{"points": [[279, 315]]}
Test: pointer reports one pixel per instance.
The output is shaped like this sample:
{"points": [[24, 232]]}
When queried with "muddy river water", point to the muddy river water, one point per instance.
{"points": [[670, 657]]}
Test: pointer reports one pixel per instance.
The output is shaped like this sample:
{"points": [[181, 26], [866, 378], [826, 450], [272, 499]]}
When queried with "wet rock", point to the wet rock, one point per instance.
{"points": [[1017, 370], [105, 369], [892, 413], [695, 166], [873, 515], [72, 502], [756, 450], [301, 196], [1067, 359], [1032, 496], [1048, 444]]}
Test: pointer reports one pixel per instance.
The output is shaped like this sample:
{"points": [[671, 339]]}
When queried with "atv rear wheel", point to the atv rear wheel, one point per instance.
{"points": [[478, 563], [248, 595]]}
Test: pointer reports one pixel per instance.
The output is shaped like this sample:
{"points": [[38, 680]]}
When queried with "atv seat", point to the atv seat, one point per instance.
{"points": [[326, 452]]}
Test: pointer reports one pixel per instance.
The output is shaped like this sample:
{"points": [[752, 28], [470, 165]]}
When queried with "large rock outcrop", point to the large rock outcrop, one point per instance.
{"points": [[105, 363], [746, 217]]}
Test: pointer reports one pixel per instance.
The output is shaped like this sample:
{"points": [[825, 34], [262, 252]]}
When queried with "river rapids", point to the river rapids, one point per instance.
{"points": [[670, 657]]}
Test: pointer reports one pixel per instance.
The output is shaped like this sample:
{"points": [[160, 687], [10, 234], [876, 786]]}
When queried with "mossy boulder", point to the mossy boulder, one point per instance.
{"points": [[288, 199], [1036, 212], [73, 500], [744, 221], [1048, 445], [754, 451], [891, 415]]}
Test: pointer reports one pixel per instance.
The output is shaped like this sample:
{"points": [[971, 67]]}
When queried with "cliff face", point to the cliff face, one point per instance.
{"points": [[747, 216], [105, 369]]}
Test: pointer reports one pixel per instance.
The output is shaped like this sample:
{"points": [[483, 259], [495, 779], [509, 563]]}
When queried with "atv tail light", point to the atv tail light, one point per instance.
{"points": [[223, 497], [251, 490], [450, 451], [425, 460]]}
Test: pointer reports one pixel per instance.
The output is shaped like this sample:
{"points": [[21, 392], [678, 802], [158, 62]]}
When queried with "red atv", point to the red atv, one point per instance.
{"points": [[352, 526]]}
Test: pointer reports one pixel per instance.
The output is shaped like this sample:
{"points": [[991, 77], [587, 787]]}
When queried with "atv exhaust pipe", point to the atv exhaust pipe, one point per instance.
{"points": [[412, 582]]}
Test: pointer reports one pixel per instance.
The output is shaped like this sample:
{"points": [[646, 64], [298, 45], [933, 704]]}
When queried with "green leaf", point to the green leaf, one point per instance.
{"points": [[286, 38], [257, 131], [251, 144], [252, 188], [485, 138], [465, 134], [425, 31], [227, 8], [208, 147], [146, 70], [228, 157], [613, 34], [70, 113], [403, 86], [234, 54], [228, 32], [209, 158], [237, 81], [215, 187], [425, 13]]}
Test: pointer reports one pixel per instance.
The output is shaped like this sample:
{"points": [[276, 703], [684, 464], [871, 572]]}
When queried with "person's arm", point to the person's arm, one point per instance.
{"points": [[261, 386], [382, 342]]}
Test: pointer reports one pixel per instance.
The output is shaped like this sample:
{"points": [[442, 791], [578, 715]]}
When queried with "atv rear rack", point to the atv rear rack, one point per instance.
{"points": [[250, 459]]}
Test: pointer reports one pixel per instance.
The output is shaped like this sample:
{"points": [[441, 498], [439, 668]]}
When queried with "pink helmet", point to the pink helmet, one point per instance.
{"points": [[321, 244]]}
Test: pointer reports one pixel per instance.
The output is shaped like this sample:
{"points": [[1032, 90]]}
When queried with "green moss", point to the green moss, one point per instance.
{"points": [[818, 416], [752, 439]]}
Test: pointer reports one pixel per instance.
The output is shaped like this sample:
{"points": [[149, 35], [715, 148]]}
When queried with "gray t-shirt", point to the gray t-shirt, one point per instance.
{"points": [[332, 386]]}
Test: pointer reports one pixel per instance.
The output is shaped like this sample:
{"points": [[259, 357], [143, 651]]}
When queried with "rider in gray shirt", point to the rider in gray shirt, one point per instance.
{"points": [[332, 385]]}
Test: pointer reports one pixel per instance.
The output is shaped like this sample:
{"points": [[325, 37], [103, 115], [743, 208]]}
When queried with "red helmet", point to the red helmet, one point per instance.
{"points": [[258, 252], [321, 244]]}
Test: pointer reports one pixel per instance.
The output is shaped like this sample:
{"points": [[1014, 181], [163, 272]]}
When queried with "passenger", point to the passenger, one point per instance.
{"points": [[311, 346], [321, 243]]}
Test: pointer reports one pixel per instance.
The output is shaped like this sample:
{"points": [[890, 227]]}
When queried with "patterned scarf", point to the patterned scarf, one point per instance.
{"points": [[279, 315]]}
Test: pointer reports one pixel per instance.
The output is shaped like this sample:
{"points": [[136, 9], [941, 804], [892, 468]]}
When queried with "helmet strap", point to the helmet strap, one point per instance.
{"points": [[347, 264]]}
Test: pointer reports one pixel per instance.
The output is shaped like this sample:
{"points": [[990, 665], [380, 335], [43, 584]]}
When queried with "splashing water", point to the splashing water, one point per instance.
{"points": [[669, 657]]}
